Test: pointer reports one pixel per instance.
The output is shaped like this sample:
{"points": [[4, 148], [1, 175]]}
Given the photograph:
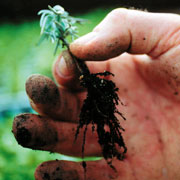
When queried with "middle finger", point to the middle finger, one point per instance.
{"points": [[49, 100]]}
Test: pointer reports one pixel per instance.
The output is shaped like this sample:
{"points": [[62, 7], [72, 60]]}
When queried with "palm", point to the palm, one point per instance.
{"points": [[152, 112]]}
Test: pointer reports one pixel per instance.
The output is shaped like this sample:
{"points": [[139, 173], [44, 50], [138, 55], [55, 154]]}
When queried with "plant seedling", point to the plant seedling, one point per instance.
{"points": [[99, 108]]}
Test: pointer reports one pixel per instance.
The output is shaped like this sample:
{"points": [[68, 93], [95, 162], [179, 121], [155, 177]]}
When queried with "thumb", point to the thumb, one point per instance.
{"points": [[131, 31], [103, 42]]}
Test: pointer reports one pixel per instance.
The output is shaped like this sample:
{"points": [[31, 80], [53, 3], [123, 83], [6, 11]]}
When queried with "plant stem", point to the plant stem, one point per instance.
{"points": [[81, 66]]}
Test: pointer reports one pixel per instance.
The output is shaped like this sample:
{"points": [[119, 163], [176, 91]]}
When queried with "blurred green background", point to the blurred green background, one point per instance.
{"points": [[19, 58]]}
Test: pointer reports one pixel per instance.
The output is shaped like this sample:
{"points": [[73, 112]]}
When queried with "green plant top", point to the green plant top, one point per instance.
{"points": [[57, 25]]}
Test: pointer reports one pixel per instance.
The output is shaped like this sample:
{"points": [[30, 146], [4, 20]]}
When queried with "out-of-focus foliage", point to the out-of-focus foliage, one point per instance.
{"points": [[19, 58]]}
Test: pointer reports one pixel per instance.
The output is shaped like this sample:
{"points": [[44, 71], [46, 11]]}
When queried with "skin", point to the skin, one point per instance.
{"points": [[143, 51]]}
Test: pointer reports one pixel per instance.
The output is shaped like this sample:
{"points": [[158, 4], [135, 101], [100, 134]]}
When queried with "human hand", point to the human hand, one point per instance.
{"points": [[148, 86]]}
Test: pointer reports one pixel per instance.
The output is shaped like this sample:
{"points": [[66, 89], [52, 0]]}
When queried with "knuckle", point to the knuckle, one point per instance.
{"points": [[118, 13], [114, 17]]}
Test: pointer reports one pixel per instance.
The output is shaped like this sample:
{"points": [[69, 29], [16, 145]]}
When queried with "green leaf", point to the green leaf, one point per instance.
{"points": [[57, 25]]}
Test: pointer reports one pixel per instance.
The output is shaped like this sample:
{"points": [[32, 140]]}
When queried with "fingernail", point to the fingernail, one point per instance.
{"points": [[66, 65], [63, 69]]}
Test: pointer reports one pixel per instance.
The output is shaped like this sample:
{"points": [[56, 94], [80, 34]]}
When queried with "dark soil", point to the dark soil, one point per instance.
{"points": [[23, 136], [99, 110]]}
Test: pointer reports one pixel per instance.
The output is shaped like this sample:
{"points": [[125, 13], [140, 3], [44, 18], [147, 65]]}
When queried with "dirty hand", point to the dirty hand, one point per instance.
{"points": [[145, 57]]}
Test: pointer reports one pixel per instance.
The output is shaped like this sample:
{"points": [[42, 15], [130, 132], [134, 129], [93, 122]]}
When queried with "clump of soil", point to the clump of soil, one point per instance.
{"points": [[99, 110]]}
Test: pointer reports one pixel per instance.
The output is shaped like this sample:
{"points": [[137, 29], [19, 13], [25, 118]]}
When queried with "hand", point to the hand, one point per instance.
{"points": [[145, 50]]}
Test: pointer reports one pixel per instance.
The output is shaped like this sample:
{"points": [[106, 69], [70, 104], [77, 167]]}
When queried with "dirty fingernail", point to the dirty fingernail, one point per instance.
{"points": [[63, 69]]}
